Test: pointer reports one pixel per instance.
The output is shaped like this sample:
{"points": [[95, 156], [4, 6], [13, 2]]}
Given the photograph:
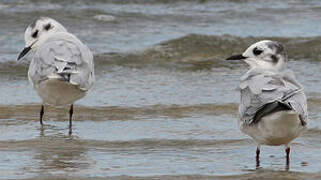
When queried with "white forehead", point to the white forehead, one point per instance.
{"points": [[268, 46], [39, 24], [261, 45]]}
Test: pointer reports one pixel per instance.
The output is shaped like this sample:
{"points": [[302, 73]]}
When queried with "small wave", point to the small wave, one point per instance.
{"points": [[256, 174], [147, 1], [2, 6], [206, 51], [120, 113], [105, 18], [314, 104], [135, 144], [313, 132], [13, 68], [195, 52], [169, 143]]}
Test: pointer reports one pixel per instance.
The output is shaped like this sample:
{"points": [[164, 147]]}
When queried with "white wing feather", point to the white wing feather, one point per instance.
{"points": [[259, 87], [63, 56]]}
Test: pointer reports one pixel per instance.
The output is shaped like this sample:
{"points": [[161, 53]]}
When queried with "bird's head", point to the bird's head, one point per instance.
{"points": [[38, 32], [264, 54]]}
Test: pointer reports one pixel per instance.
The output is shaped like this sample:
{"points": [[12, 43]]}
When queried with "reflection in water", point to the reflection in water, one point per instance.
{"points": [[60, 153], [144, 145], [287, 164], [70, 131], [59, 115]]}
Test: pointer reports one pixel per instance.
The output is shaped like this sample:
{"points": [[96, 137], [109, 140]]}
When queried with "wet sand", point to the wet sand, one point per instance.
{"points": [[152, 142]]}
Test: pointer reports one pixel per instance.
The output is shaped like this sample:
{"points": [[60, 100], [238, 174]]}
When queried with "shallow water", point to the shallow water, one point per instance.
{"points": [[165, 103]]}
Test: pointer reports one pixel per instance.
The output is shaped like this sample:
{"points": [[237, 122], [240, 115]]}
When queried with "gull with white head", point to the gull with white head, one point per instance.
{"points": [[62, 68], [273, 107]]}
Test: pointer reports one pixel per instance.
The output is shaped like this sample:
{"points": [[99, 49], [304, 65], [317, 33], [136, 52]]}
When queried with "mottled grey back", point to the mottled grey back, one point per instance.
{"points": [[64, 57], [259, 87]]}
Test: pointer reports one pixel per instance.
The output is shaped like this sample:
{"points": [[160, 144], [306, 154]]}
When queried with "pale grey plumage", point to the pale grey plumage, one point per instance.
{"points": [[261, 86], [273, 107], [64, 57], [62, 68]]}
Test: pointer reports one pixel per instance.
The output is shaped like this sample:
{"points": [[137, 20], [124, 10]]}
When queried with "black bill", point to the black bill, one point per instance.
{"points": [[236, 57], [24, 52]]}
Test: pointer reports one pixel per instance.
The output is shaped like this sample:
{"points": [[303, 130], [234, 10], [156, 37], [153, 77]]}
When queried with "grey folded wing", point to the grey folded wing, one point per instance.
{"points": [[63, 57], [264, 92]]}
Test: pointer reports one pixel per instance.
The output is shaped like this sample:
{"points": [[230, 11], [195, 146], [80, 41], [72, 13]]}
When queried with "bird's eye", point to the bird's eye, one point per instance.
{"points": [[257, 51], [35, 34], [47, 27]]}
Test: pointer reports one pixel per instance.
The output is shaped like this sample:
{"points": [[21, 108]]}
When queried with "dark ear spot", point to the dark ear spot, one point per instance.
{"points": [[47, 27], [35, 34], [279, 48], [275, 59]]}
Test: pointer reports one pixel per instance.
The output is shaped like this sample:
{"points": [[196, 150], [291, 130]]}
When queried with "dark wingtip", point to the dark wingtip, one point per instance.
{"points": [[236, 57], [23, 52]]}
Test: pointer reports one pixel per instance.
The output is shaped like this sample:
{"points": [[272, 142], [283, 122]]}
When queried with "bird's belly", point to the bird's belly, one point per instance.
{"points": [[276, 129], [57, 92]]}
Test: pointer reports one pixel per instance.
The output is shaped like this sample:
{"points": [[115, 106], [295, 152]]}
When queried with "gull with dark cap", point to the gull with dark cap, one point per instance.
{"points": [[62, 68], [273, 107]]}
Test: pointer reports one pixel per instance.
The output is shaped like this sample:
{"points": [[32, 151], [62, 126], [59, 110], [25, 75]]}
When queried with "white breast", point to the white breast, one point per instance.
{"points": [[58, 92], [275, 129]]}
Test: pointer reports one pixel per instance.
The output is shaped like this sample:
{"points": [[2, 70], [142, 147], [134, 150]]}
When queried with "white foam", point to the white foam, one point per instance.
{"points": [[104, 17]]}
